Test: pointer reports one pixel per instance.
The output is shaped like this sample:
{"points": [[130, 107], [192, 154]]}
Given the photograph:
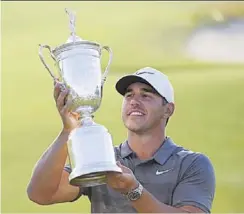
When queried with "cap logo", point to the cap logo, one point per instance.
{"points": [[143, 72]]}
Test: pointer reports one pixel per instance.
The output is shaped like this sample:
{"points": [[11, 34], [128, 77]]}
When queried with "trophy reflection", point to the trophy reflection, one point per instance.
{"points": [[90, 147]]}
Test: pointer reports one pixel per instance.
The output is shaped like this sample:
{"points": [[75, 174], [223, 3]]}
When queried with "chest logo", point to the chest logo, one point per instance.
{"points": [[163, 171]]}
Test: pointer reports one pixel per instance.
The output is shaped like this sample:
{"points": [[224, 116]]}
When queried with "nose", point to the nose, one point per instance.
{"points": [[134, 101]]}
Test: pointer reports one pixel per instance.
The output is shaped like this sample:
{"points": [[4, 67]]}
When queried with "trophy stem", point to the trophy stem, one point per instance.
{"points": [[86, 119]]}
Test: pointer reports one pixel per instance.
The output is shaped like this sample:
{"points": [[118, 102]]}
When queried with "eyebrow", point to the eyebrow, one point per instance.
{"points": [[149, 90]]}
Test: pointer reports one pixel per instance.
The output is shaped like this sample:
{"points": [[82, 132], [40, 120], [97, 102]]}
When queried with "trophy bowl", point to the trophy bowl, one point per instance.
{"points": [[90, 148]]}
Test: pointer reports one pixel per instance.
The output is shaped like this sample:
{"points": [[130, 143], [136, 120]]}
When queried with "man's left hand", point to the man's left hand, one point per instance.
{"points": [[122, 182]]}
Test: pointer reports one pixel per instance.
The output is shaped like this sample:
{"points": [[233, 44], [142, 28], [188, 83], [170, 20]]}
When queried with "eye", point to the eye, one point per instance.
{"points": [[128, 95], [145, 95]]}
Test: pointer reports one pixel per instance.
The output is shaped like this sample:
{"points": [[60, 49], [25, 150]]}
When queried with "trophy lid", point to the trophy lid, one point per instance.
{"points": [[74, 38]]}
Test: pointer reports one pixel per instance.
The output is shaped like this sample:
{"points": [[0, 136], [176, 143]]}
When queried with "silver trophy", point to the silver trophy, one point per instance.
{"points": [[90, 148]]}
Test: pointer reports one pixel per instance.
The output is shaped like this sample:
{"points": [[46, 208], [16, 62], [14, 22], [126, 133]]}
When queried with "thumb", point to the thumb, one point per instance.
{"points": [[124, 168]]}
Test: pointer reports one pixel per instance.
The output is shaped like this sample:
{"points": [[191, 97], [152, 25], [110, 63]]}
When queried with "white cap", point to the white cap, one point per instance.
{"points": [[149, 76]]}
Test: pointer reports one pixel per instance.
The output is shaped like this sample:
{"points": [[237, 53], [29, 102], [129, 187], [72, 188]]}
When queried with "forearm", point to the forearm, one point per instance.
{"points": [[48, 170], [147, 203]]}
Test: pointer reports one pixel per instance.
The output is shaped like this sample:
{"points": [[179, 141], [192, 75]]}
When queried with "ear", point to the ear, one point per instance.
{"points": [[170, 108]]}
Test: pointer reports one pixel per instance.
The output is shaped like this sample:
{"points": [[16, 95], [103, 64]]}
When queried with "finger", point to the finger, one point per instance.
{"points": [[119, 164], [57, 90], [67, 107], [61, 99], [124, 168], [112, 176], [76, 115]]}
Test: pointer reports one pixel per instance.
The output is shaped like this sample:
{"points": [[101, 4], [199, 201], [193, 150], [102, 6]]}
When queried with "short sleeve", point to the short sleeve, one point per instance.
{"points": [[67, 168], [196, 187], [83, 190]]}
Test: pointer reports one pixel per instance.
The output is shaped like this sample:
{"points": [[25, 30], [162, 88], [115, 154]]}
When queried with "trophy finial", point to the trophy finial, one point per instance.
{"points": [[72, 21]]}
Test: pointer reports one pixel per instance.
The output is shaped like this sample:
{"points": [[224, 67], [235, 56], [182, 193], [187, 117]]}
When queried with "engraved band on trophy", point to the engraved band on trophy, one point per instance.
{"points": [[90, 148]]}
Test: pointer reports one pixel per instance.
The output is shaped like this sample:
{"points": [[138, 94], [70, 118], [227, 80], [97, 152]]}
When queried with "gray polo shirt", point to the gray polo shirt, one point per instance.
{"points": [[175, 176]]}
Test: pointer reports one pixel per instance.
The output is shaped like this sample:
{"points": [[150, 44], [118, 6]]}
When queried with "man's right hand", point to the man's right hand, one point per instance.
{"points": [[70, 119]]}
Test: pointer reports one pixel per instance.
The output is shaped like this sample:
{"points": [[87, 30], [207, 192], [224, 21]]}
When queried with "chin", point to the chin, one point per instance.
{"points": [[133, 127]]}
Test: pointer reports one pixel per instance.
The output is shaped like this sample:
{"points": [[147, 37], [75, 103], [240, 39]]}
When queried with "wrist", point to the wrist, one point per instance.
{"points": [[133, 185], [62, 137], [65, 131], [135, 193]]}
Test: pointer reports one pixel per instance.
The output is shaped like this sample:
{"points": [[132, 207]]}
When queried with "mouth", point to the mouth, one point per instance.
{"points": [[135, 113]]}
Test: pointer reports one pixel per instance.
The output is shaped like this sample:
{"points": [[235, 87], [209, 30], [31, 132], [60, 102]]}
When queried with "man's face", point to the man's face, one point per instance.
{"points": [[143, 109]]}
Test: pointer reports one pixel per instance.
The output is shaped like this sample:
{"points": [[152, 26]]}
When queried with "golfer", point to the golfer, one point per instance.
{"points": [[158, 176]]}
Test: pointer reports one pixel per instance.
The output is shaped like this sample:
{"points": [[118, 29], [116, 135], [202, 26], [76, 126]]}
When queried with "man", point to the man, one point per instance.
{"points": [[157, 175]]}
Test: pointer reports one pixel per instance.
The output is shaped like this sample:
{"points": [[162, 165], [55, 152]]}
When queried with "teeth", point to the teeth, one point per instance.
{"points": [[136, 113]]}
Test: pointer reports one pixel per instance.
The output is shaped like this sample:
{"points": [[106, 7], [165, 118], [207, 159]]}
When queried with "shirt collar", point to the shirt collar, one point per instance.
{"points": [[165, 151], [161, 155], [125, 149]]}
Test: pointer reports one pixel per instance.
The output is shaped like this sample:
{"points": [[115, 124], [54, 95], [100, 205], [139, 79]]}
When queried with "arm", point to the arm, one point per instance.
{"points": [[197, 184], [49, 182], [194, 192], [147, 203]]}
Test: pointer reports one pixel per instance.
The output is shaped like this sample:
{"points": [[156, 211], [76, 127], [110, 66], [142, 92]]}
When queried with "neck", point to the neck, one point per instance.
{"points": [[146, 144]]}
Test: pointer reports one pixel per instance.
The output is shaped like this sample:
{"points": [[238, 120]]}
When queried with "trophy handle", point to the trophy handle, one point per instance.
{"points": [[43, 61], [104, 76]]}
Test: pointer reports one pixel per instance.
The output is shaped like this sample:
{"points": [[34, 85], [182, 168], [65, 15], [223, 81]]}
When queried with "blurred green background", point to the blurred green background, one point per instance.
{"points": [[209, 97]]}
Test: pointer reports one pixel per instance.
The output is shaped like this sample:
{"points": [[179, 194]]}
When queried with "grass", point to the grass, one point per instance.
{"points": [[209, 104]]}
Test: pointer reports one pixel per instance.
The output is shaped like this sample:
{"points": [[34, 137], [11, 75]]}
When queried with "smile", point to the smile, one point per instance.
{"points": [[136, 113]]}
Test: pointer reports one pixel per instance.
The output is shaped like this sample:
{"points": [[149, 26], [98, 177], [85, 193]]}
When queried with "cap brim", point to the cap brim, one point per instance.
{"points": [[123, 83]]}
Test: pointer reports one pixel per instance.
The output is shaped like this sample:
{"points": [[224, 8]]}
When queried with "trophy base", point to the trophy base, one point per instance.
{"points": [[92, 179], [92, 175]]}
